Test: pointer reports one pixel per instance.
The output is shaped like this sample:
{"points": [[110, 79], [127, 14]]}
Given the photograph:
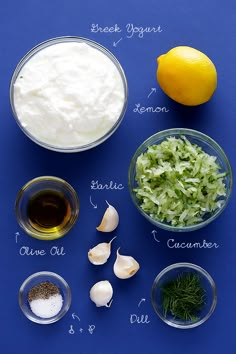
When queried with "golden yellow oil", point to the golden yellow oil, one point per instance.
{"points": [[48, 211]]}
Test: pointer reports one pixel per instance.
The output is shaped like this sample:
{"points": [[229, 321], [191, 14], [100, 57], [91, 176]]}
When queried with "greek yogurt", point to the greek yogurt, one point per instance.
{"points": [[68, 95]]}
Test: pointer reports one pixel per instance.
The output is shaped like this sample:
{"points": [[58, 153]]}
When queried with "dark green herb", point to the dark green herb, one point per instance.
{"points": [[183, 297]]}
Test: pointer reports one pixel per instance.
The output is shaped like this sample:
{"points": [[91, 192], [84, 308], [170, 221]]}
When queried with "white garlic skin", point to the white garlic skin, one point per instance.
{"points": [[110, 220], [125, 266], [99, 254], [101, 293]]}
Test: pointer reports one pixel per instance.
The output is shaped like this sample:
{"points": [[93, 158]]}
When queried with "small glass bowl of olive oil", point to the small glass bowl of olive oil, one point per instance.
{"points": [[47, 207]]}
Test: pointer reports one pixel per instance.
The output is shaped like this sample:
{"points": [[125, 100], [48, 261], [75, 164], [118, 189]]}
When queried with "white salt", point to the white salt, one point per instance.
{"points": [[46, 308]]}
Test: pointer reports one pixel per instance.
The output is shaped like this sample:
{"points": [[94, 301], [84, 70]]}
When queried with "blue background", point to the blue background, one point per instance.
{"points": [[206, 25]]}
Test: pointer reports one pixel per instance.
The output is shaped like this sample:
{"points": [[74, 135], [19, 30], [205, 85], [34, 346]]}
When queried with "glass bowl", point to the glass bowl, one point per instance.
{"points": [[210, 147], [58, 196], [34, 280], [84, 145], [171, 273]]}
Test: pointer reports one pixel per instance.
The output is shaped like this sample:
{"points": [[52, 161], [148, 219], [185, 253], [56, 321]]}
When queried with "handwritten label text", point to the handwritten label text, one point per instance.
{"points": [[77, 323], [54, 251], [130, 29], [171, 243], [96, 185], [141, 319], [95, 28], [142, 109]]}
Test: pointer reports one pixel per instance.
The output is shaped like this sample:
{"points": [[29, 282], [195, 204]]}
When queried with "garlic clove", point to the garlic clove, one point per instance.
{"points": [[110, 220], [125, 266], [101, 293], [99, 254]]}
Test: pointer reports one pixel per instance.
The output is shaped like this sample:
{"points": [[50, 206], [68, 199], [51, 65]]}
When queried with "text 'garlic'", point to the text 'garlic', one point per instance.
{"points": [[99, 254], [101, 293], [110, 220], [125, 266]]}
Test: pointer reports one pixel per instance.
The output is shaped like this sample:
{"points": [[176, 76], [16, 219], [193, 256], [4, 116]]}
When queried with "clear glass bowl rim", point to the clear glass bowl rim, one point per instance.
{"points": [[204, 273], [36, 234], [195, 134], [66, 303], [63, 39]]}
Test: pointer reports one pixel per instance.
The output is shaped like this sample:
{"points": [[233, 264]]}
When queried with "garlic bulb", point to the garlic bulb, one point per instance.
{"points": [[99, 254], [125, 266], [110, 220], [101, 293]]}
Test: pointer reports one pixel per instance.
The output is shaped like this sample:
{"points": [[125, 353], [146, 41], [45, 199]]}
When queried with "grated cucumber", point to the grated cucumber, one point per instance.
{"points": [[178, 183]]}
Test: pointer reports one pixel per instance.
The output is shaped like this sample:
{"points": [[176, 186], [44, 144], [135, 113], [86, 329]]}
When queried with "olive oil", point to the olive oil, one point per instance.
{"points": [[48, 211]]}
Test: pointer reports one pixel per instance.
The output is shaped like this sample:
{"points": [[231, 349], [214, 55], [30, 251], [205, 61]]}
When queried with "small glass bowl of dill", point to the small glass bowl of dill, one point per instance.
{"points": [[184, 295]]}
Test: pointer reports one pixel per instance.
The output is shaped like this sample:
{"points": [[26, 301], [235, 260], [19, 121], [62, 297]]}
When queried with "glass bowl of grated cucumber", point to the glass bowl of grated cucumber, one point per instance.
{"points": [[184, 295], [180, 179]]}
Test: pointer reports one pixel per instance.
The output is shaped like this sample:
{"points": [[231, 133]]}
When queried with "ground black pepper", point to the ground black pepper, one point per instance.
{"points": [[42, 291]]}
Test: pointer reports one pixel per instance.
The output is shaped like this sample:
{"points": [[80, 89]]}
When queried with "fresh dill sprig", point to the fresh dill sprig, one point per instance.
{"points": [[184, 297]]}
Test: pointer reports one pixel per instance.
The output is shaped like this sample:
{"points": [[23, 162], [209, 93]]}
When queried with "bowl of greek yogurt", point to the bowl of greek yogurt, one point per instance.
{"points": [[69, 94]]}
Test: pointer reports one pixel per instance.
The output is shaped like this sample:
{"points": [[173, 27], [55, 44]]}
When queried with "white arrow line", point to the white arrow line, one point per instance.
{"points": [[142, 300], [17, 234], [116, 43], [94, 205], [154, 233], [152, 90], [74, 316]]}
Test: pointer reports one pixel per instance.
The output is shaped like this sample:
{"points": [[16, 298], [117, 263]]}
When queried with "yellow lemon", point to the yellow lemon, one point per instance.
{"points": [[187, 75]]}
